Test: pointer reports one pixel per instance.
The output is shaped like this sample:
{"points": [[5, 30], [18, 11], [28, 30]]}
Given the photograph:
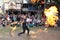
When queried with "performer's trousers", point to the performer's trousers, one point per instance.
{"points": [[24, 29]]}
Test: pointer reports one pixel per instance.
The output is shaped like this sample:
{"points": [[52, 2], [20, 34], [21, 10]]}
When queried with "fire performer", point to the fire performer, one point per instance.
{"points": [[24, 27]]}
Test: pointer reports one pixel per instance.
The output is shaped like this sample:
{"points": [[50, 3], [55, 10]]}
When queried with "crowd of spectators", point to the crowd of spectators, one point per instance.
{"points": [[32, 20]]}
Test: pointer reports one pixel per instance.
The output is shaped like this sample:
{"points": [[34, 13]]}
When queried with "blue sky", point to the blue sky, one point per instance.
{"points": [[1, 1]]}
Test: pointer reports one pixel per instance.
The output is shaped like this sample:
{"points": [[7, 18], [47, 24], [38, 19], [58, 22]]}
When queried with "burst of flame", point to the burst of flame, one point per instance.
{"points": [[12, 31], [51, 15], [33, 1], [14, 28]]}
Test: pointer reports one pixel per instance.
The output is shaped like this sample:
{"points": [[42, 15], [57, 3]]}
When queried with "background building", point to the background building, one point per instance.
{"points": [[10, 5]]}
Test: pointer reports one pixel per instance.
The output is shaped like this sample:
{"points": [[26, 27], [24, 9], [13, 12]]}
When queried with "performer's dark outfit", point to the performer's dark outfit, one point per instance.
{"points": [[25, 27]]}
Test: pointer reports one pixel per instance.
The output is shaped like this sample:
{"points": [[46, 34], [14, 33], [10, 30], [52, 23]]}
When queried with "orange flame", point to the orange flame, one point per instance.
{"points": [[51, 15], [13, 29], [33, 1]]}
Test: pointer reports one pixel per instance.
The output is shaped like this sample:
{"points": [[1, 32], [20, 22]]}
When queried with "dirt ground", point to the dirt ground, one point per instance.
{"points": [[39, 34]]}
